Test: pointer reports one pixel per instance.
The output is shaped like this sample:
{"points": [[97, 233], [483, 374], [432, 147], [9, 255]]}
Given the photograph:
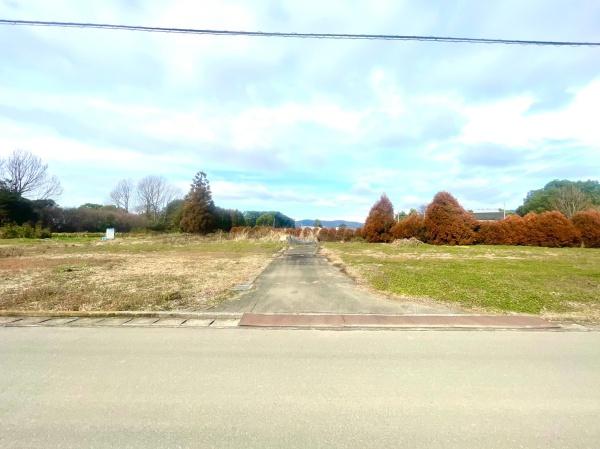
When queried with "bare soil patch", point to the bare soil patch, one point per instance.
{"points": [[175, 272]]}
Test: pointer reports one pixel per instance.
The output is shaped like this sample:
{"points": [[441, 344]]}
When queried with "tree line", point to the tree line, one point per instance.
{"points": [[152, 203], [200, 215], [567, 197], [562, 213], [445, 222]]}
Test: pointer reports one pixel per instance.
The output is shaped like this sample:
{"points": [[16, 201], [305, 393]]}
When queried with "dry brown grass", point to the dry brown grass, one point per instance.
{"points": [[174, 272]]}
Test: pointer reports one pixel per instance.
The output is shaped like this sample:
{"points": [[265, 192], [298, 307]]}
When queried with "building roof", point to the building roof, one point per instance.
{"points": [[489, 216]]}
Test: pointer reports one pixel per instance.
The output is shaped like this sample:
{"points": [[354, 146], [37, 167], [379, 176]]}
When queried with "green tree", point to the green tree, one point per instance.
{"points": [[173, 214], [15, 209], [228, 218], [198, 214], [545, 199], [266, 219], [401, 215], [237, 218], [317, 223]]}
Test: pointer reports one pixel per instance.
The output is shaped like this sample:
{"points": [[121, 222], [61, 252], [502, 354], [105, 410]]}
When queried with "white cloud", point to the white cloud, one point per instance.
{"points": [[324, 126], [509, 122]]}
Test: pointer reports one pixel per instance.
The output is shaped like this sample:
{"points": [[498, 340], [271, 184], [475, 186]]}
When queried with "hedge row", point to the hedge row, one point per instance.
{"points": [[338, 235], [446, 223]]}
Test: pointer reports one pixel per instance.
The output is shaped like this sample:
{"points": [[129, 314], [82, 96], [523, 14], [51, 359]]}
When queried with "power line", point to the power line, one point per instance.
{"points": [[387, 37]]}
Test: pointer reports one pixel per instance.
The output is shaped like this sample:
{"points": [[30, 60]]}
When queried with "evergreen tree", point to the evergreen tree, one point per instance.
{"points": [[237, 218], [379, 222], [198, 215], [447, 223]]}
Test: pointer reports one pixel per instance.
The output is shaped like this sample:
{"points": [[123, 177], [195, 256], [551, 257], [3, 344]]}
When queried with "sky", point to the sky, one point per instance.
{"points": [[313, 128]]}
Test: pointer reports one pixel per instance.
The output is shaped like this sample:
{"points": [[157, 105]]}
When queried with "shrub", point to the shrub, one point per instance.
{"points": [[411, 226], [344, 234], [551, 229], [26, 231], [86, 219], [248, 232], [515, 231], [335, 235], [326, 235], [588, 225], [491, 233], [446, 222], [379, 222], [510, 231], [259, 232]]}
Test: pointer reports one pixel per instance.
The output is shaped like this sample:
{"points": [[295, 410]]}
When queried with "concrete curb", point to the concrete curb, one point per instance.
{"points": [[121, 314], [237, 320]]}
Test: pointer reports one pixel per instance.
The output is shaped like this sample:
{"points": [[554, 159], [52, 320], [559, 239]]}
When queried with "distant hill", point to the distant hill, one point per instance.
{"points": [[329, 223]]}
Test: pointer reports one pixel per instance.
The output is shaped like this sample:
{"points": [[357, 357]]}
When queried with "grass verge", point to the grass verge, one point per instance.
{"points": [[557, 283]]}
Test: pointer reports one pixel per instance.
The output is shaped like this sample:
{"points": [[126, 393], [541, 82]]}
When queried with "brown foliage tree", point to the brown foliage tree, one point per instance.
{"points": [[326, 235], [551, 229], [198, 215], [514, 230], [410, 226], [344, 234], [588, 225], [510, 231], [341, 234], [447, 223], [491, 233], [379, 222]]}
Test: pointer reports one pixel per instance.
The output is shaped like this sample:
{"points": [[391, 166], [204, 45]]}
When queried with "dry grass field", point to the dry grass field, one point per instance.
{"points": [[166, 272], [562, 283]]}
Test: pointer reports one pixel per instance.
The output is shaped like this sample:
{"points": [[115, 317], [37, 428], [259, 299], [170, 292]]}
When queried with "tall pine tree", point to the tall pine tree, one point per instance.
{"points": [[198, 215]]}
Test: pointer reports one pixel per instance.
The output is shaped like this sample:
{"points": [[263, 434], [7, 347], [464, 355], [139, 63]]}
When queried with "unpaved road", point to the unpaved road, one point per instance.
{"points": [[241, 388], [303, 281]]}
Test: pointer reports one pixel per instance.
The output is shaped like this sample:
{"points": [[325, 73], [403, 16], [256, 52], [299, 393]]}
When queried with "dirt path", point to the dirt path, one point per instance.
{"points": [[303, 281]]}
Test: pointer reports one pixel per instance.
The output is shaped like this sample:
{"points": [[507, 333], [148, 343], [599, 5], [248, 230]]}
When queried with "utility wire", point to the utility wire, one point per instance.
{"points": [[387, 37]]}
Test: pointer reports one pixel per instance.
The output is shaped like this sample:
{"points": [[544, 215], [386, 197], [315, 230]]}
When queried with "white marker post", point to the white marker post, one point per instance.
{"points": [[110, 234]]}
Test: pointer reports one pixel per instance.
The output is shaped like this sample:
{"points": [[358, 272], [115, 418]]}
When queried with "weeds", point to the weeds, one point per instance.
{"points": [[166, 272]]}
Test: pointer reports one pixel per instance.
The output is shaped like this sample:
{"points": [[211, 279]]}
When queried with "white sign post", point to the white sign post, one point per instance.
{"points": [[110, 234]]}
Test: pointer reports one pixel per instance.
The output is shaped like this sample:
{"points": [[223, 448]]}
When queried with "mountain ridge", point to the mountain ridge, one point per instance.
{"points": [[329, 223]]}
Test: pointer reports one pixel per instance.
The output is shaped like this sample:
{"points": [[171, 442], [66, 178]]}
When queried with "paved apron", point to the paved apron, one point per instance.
{"points": [[303, 281]]}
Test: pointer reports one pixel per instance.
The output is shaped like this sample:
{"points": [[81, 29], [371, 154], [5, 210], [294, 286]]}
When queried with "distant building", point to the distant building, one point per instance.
{"points": [[492, 216]]}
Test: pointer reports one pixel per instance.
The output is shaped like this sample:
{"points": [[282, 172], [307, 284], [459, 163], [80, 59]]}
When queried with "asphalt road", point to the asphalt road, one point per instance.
{"points": [[240, 388], [303, 281]]}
